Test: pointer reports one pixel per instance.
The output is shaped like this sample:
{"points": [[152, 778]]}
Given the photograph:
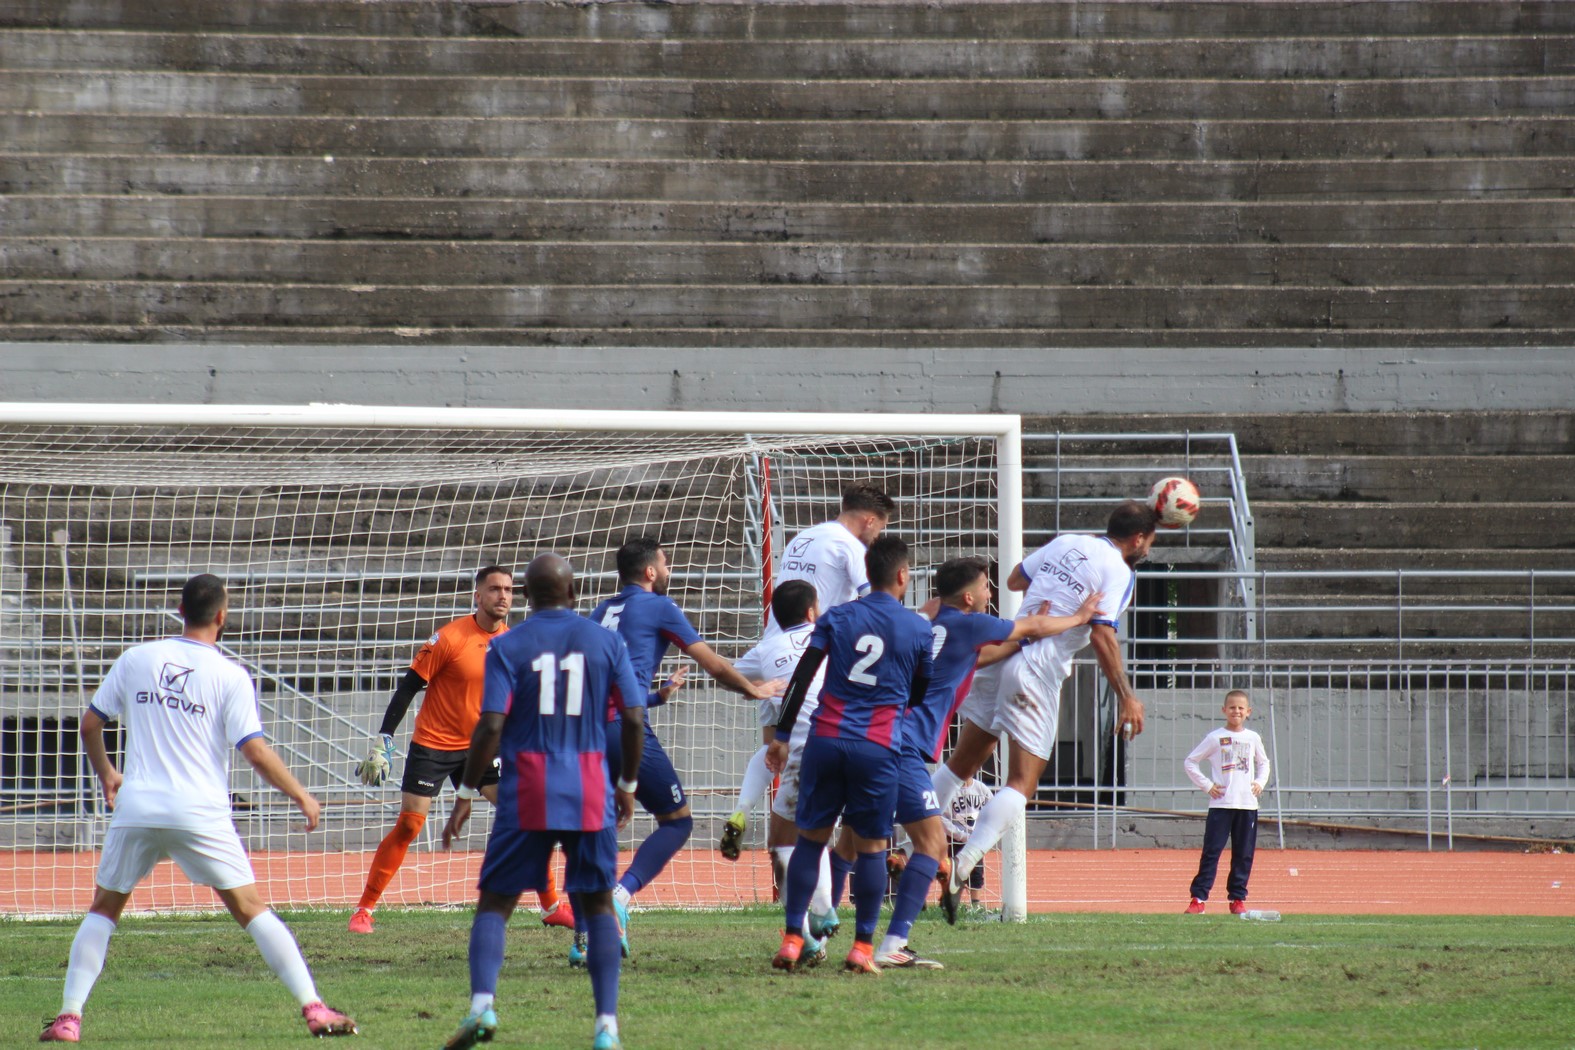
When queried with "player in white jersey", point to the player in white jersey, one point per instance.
{"points": [[1022, 696], [184, 705], [830, 557]]}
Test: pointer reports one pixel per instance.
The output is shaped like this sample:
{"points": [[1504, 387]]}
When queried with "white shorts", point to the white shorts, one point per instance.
{"points": [[785, 805], [212, 857], [978, 706], [1028, 703], [769, 712]]}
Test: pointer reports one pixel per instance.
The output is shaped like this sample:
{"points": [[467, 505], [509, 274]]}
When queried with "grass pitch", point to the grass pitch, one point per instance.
{"points": [[699, 981]]}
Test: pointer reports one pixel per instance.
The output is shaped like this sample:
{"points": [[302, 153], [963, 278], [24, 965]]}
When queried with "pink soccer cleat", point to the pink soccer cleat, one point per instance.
{"points": [[324, 1021], [361, 921], [562, 914], [67, 1028]]}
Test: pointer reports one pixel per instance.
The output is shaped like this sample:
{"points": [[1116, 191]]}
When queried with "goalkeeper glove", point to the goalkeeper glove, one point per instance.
{"points": [[377, 765]]}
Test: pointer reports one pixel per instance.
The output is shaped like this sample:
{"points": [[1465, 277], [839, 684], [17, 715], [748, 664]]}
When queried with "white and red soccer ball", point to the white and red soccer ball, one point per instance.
{"points": [[1176, 501]]}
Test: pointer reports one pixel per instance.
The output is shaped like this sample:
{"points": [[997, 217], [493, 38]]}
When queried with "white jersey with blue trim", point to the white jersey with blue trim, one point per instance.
{"points": [[829, 557], [184, 706], [1064, 572]]}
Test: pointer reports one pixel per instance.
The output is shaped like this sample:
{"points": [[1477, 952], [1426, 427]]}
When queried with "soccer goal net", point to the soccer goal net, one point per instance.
{"points": [[347, 536]]}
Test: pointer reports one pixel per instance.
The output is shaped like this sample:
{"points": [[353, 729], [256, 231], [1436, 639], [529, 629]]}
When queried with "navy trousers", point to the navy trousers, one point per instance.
{"points": [[1240, 828]]}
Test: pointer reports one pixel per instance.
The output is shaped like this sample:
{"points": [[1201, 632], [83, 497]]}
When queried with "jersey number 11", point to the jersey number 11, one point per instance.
{"points": [[547, 667]]}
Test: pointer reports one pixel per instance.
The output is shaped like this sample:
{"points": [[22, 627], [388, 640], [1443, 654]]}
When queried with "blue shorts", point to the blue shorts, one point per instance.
{"points": [[517, 861], [916, 798], [660, 793], [851, 778]]}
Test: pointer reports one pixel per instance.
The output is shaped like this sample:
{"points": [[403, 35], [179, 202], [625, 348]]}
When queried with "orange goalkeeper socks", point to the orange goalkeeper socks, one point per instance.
{"points": [[390, 855], [549, 896]]}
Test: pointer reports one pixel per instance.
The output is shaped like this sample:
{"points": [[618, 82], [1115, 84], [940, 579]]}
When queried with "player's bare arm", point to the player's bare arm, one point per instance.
{"points": [[1017, 581], [483, 748], [673, 684], [633, 731], [91, 730], [271, 768], [726, 674], [1042, 626], [1107, 651]]}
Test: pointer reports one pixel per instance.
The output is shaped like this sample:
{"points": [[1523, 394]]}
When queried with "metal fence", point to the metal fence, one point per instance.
{"points": [[1430, 749]]}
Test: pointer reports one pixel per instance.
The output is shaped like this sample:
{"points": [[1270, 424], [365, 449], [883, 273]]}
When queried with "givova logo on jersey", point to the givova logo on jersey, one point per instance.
{"points": [[793, 558], [172, 687], [1071, 562]]}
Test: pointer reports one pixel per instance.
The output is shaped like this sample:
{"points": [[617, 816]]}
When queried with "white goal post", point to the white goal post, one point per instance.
{"points": [[349, 533]]}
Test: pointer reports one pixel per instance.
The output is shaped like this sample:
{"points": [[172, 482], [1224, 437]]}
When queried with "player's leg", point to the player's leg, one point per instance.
{"points": [[425, 771], [1028, 708], [823, 922], [871, 795], [920, 815], [127, 857], [515, 861], [1216, 832], [661, 794], [820, 794], [591, 865], [1243, 844], [555, 908], [757, 778]]}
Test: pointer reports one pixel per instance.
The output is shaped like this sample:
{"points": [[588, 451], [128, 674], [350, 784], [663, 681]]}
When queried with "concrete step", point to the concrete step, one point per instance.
{"points": [[790, 181], [1438, 478], [1487, 221], [815, 21], [457, 134], [1419, 573], [1471, 617], [1447, 654], [630, 264], [724, 338], [894, 56], [1345, 433], [131, 74], [1465, 311], [1410, 526]]}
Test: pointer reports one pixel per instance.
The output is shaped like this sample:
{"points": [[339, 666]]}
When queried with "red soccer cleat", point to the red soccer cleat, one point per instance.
{"points": [[1238, 907], [324, 1021], [361, 921], [1195, 908], [562, 914], [787, 956], [861, 959], [67, 1028]]}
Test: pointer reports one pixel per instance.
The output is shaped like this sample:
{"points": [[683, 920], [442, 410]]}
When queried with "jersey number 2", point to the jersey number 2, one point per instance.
{"points": [[546, 667], [873, 649]]}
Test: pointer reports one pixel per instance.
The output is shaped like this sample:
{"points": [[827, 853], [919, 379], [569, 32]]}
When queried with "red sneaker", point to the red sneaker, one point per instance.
{"points": [[361, 921], [67, 1028], [1238, 907], [1195, 908], [861, 959]]}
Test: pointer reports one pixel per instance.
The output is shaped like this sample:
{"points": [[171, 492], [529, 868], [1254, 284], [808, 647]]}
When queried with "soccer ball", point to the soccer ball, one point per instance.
{"points": [[1176, 501]]}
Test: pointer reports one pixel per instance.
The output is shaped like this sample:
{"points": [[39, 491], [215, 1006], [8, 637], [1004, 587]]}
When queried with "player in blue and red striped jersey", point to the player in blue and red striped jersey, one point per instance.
{"points": [[547, 689], [650, 622], [965, 638], [877, 656]]}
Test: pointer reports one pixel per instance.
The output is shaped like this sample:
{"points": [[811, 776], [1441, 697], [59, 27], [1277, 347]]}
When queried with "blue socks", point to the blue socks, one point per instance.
{"points": [[869, 890], [486, 951], [840, 870], [912, 890], [604, 958], [654, 853], [803, 871]]}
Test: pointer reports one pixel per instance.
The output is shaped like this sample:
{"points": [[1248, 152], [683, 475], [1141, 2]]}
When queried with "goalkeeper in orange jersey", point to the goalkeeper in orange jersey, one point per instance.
{"points": [[450, 667]]}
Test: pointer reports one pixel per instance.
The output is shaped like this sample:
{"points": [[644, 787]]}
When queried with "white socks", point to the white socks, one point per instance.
{"points": [[606, 1023], [480, 1003], [889, 944], [946, 785], [1007, 805], [756, 779], [88, 949], [820, 900], [283, 956], [621, 895]]}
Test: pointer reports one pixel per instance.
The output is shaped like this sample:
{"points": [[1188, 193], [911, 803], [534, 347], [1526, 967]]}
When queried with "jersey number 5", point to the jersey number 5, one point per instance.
{"points": [[873, 649], [547, 667]]}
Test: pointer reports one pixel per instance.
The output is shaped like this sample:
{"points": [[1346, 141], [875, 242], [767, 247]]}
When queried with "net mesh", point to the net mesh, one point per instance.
{"points": [[344, 550]]}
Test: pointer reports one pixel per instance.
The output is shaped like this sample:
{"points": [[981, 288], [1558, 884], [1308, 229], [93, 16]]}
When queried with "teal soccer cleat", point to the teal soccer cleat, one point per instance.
{"points": [[476, 1028], [577, 951], [605, 1040], [622, 911]]}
